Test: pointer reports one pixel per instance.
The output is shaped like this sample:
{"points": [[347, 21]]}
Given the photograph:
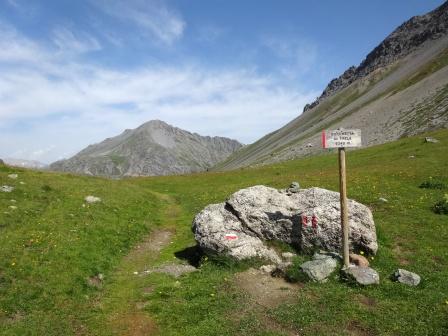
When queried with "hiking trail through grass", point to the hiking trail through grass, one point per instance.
{"points": [[123, 298]]}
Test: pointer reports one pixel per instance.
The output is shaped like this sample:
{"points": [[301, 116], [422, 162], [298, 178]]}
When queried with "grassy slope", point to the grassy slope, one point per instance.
{"points": [[322, 114], [51, 245], [40, 294]]}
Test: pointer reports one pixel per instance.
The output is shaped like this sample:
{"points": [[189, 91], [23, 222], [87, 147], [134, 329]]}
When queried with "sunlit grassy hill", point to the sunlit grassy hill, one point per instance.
{"points": [[67, 267]]}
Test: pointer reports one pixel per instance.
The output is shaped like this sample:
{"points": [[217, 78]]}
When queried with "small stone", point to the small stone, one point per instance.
{"points": [[382, 199], [12, 207], [13, 201], [432, 140], [22, 183], [13, 176], [411, 156], [406, 277], [358, 260], [320, 269], [6, 188], [362, 275], [268, 268], [92, 199], [294, 187], [288, 256], [135, 273], [325, 254]]}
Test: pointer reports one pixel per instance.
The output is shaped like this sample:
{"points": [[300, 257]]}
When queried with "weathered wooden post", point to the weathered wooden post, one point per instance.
{"points": [[341, 139], [344, 210]]}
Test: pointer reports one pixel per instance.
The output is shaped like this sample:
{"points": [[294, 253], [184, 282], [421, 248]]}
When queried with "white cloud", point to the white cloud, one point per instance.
{"points": [[151, 16], [61, 104], [69, 42]]}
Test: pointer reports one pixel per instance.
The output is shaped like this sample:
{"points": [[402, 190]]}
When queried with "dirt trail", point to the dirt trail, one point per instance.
{"points": [[121, 301], [265, 292]]}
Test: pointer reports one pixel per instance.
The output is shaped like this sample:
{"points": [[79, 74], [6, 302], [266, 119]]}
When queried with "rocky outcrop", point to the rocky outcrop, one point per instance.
{"points": [[308, 219], [400, 43], [154, 148]]}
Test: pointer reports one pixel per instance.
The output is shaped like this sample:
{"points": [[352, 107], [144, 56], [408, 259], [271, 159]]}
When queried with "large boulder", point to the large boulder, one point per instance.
{"points": [[309, 219]]}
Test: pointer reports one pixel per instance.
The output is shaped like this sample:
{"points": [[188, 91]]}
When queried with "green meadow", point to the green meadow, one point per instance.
{"points": [[72, 268]]}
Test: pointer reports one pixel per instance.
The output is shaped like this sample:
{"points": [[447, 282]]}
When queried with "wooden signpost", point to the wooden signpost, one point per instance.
{"points": [[342, 138]]}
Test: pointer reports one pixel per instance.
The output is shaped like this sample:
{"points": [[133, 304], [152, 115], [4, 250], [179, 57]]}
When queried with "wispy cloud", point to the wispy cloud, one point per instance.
{"points": [[153, 17], [69, 42], [62, 103]]}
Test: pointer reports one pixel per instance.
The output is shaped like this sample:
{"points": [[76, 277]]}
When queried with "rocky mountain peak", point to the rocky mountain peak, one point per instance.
{"points": [[153, 148], [409, 36]]}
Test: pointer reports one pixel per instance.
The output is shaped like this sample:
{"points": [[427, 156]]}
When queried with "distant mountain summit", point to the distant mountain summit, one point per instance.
{"points": [[30, 164], [154, 148]]}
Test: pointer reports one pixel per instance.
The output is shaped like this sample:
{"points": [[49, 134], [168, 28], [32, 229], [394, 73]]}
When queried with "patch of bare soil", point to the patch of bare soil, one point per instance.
{"points": [[135, 324], [265, 292], [152, 244], [133, 320], [264, 289], [400, 255], [355, 328], [366, 301]]}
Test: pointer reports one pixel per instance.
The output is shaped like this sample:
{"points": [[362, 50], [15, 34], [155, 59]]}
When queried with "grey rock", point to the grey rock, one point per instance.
{"points": [[326, 254], [6, 188], [92, 199], [219, 231], [431, 140], [320, 269], [154, 148], [361, 275], [406, 277], [268, 268], [270, 214], [288, 256], [294, 187], [240, 226]]}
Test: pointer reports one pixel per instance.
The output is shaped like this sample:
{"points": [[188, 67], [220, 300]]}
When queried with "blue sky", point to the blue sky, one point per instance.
{"points": [[75, 72]]}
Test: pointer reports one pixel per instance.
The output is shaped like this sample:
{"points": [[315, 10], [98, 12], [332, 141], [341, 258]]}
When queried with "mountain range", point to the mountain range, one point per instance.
{"points": [[399, 89], [154, 148]]}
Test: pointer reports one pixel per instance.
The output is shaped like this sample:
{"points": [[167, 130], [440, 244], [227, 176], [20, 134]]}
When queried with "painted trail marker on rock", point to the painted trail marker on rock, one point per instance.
{"points": [[342, 138]]}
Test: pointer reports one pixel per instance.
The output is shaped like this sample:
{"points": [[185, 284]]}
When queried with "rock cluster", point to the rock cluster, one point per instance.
{"points": [[308, 219]]}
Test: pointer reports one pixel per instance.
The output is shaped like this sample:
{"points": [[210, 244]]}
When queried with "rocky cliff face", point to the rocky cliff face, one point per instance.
{"points": [[400, 43], [154, 148]]}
